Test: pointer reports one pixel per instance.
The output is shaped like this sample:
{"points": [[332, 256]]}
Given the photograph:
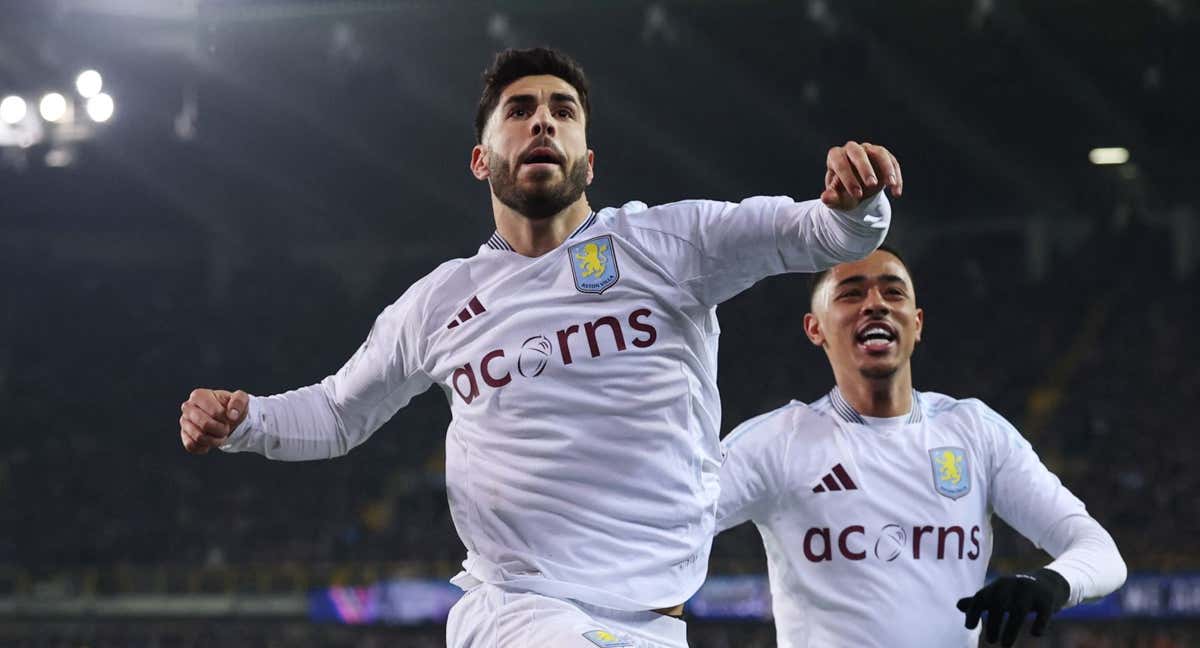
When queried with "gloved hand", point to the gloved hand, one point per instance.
{"points": [[1043, 592]]}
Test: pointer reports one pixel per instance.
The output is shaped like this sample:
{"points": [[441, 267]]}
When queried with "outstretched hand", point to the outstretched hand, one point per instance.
{"points": [[1043, 593], [854, 172]]}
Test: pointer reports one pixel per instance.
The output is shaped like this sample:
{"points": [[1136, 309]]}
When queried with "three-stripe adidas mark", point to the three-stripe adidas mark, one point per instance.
{"points": [[836, 480], [476, 308]]}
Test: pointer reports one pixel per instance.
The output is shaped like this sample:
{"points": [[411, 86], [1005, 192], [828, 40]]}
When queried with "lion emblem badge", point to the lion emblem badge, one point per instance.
{"points": [[594, 264], [951, 473]]}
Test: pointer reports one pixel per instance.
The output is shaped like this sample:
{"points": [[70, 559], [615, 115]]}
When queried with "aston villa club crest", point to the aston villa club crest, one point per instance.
{"points": [[594, 264], [606, 639], [951, 474]]}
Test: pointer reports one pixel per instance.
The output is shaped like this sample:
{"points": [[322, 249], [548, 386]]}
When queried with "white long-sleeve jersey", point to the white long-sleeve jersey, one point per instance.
{"points": [[874, 529], [583, 452]]}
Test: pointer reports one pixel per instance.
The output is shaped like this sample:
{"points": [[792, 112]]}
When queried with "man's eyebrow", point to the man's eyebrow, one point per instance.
{"points": [[889, 278], [520, 99], [560, 97]]}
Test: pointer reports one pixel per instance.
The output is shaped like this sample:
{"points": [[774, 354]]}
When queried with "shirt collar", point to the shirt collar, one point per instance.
{"points": [[848, 414], [497, 242]]}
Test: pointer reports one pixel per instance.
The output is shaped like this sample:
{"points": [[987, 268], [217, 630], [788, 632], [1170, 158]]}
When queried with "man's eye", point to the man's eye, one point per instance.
{"points": [[517, 112], [565, 114], [850, 293]]}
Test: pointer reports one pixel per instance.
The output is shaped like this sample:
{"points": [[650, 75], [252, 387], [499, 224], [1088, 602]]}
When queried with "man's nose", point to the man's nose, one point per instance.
{"points": [[542, 122], [874, 305]]}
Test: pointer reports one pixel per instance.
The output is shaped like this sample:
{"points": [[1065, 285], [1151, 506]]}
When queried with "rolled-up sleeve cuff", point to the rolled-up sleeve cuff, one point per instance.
{"points": [[874, 212]]}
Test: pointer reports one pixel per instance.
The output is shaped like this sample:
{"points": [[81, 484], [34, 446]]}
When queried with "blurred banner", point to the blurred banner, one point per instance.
{"points": [[726, 598]]}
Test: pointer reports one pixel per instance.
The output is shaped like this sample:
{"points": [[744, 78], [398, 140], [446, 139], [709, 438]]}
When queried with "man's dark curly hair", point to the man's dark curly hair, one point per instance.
{"points": [[512, 64]]}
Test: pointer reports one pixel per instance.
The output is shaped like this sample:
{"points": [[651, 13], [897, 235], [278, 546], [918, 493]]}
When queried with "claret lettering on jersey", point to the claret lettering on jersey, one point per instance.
{"points": [[823, 544], [537, 351]]}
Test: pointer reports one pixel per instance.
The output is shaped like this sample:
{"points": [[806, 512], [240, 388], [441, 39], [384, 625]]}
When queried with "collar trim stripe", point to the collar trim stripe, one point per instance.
{"points": [[497, 242], [843, 409], [587, 222], [847, 413]]}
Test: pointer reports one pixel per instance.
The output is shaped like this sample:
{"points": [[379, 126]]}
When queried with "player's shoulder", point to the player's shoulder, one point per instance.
{"points": [[416, 299], [971, 412], [935, 405], [793, 418], [439, 278], [637, 215]]}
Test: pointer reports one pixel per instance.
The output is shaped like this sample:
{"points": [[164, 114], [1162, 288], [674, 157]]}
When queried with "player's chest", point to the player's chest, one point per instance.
{"points": [[922, 476], [526, 324], [917, 468], [921, 500]]}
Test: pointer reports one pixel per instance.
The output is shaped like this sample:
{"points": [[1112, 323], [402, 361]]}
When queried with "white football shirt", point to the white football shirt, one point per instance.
{"points": [[874, 529], [583, 453]]}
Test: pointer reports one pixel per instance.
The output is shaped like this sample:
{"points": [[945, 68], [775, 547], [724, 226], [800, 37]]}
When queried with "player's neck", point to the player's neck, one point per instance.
{"points": [[879, 397], [533, 238]]}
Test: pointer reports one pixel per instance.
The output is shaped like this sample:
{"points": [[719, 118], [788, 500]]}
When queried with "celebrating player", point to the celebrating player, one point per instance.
{"points": [[874, 503], [578, 351]]}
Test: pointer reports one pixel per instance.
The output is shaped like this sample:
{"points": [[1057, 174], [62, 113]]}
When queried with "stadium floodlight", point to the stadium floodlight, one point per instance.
{"points": [[100, 108], [1114, 155], [12, 110], [53, 107], [89, 83], [59, 158]]}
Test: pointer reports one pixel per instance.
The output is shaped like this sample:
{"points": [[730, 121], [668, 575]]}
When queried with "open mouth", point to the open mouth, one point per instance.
{"points": [[542, 155], [876, 337]]}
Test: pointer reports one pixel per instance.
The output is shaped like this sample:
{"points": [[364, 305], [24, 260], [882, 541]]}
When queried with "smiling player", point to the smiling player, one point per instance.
{"points": [[875, 502]]}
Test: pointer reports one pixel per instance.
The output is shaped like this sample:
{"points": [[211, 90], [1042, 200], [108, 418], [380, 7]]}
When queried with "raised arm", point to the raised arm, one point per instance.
{"points": [[717, 249], [329, 418]]}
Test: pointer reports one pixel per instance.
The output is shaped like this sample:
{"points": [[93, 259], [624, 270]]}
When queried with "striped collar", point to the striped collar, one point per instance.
{"points": [[497, 242], [847, 413]]}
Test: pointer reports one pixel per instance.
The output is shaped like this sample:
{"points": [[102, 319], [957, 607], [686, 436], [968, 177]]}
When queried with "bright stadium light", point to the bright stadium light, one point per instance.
{"points": [[12, 110], [59, 158], [89, 83], [1115, 155], [100, 108], [53, 107]]}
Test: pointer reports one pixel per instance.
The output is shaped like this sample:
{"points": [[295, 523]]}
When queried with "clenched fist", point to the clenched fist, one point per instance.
{"points": [[209, 415], [854, 172]]}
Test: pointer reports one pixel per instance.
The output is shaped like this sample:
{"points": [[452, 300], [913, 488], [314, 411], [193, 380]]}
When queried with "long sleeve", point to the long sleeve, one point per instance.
{"points": [[330, 418], [1086, 556], [1035, 503], [717, 249]]}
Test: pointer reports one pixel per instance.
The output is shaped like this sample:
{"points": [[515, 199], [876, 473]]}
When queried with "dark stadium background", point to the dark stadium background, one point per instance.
{"points": [[275, 173]]}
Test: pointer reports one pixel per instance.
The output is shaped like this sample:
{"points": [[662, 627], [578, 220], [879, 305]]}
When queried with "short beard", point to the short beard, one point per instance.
{"points": [[544, 202], [878, 373]]}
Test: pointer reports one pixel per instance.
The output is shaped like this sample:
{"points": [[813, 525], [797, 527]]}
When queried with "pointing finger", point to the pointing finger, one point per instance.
{"points": [[974, 610]]}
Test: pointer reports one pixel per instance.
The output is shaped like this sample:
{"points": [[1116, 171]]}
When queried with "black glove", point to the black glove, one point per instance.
{"points": [[1044, 592]]}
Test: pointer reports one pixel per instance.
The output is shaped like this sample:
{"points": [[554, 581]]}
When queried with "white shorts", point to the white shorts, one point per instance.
{"points": [[490, 617]]}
